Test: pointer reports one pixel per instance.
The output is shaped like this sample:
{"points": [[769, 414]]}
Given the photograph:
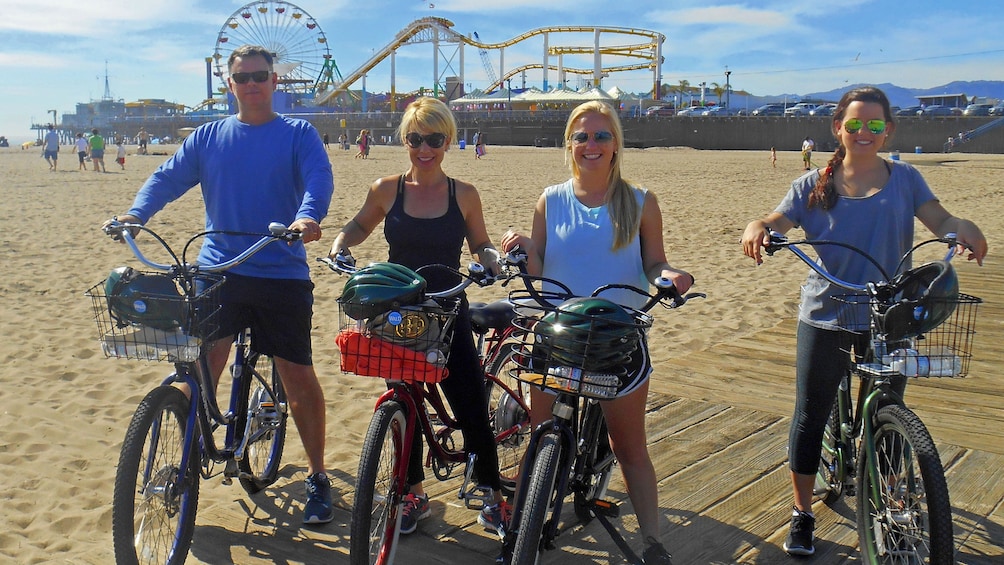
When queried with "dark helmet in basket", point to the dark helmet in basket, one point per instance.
{"points": [[927, 296], [380, 287], [593, 334], [146, 299]]}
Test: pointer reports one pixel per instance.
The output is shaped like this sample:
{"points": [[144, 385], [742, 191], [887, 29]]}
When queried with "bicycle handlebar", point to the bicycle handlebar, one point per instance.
{"points": [[120, 231], [780, 241], [476, 274]]}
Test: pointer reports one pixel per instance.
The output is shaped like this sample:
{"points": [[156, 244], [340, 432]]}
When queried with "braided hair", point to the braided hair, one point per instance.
{"points": [[824, 194]]}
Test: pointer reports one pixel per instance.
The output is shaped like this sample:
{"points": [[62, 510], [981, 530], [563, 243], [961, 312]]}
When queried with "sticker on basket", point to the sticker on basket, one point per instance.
{"points": [[394, 318], [139, 306]]}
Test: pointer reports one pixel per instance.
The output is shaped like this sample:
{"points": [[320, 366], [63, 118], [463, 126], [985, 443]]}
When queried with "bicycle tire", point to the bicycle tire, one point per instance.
{"points": [[593, 484], [504, 412], [912, 520], [829, 477], [376, 511], [266, 409], [153, 515], [537, 503]]}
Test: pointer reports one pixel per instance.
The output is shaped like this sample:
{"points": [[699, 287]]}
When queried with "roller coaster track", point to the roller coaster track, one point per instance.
{"points": [[433, 29]]}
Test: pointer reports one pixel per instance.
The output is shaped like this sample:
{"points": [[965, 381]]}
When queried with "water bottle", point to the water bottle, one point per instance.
{"points": [[909, 363], [596, 385]]}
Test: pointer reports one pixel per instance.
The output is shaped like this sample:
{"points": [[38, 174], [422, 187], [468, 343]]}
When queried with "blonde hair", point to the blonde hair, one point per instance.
{"points": [[429, 114], [625, 214]]}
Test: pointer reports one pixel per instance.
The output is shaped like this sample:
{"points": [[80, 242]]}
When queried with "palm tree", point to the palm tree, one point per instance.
{"points": [[683, 88], [718, 90]]}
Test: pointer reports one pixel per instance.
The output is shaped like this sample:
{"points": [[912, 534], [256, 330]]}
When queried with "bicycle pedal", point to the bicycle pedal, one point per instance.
{"points": [[478, 497], [605, 507]]}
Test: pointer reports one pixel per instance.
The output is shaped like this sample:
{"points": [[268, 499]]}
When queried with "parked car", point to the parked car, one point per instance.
{"points": [[660, 111], [823, 110], [691, 111], [719, 111], [977, 110], [800, 109], [935, 110], [769, 110], [908, 111], [997, 110]]}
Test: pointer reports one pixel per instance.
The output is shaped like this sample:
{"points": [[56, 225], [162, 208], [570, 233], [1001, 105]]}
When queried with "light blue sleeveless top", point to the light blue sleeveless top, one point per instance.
{"points": [[578, 251]]}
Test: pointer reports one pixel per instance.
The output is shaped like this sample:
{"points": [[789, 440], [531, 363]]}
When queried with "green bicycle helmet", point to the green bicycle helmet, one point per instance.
{"points": [[380, 287], [927, 296], [590, 333], [151, 300]]}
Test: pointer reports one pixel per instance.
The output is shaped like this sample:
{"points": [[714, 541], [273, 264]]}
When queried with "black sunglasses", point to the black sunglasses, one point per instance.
{"points": [[433, 140], [257, 76], [581, 137]]}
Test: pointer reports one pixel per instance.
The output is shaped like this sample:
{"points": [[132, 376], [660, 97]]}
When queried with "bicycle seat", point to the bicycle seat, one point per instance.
{"points": [[494, 316]]}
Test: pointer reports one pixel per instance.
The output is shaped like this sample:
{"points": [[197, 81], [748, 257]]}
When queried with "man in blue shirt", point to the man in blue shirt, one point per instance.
{"points": [[51, 149], [255, 168]]}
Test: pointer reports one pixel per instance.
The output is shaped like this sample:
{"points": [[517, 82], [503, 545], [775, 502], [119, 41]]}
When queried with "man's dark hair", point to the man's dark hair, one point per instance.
{"points": [[245, 51]]}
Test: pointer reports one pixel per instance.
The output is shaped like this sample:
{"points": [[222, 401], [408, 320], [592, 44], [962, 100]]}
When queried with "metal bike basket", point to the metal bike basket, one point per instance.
{"points": [[591, 361], [175, 330], [407, 343], [944, 351]]}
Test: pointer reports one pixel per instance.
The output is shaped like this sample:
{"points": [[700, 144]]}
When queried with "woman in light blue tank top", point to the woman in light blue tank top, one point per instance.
{"points": [[596, 229]]}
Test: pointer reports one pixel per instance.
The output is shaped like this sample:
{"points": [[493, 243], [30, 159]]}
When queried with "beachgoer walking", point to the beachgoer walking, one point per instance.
{"points": [[51, 149], [97, 144], [82, 147]]}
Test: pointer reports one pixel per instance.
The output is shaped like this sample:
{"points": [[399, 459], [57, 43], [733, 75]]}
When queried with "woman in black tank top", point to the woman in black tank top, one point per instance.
{"points": [[427, 218]]}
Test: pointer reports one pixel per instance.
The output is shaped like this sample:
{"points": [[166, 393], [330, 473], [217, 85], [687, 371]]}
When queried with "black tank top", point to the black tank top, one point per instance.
{"points": [[416, 242]]}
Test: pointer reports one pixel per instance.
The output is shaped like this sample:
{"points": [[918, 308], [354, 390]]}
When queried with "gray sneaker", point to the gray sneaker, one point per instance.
{"points": [[800, 535]]}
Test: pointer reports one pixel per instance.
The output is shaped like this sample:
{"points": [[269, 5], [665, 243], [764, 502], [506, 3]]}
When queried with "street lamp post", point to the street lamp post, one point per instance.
{"points": [[728, 89], [509, 94]]}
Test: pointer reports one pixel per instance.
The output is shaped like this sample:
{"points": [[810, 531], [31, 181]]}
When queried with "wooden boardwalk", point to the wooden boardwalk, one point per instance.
{"points": [[718, 431]]}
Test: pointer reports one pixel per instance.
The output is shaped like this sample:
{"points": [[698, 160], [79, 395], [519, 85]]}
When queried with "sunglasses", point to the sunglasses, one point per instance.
{"points": [[257, 76], [854, 125], [581, 137], [433, 140]]}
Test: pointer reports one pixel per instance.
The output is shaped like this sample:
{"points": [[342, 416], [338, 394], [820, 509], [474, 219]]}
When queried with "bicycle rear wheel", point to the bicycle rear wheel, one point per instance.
{"points": [[267, 433], [376, 512], [507, 411], [829, 478], [537, 503], [153, 510], [910, 521]]}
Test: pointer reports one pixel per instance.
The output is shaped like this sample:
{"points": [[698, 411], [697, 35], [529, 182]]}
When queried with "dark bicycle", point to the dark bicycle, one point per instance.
{"points": [[915, 323], [170, 315], [573, 347]]}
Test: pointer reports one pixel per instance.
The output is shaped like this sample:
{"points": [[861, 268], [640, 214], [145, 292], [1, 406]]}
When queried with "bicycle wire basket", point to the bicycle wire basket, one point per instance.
{"points": [[585, 346], [408, 343], [944, 351], [166, 325]]}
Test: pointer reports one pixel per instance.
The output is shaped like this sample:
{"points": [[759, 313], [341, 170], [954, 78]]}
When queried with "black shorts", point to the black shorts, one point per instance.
{"points": [[278, 311]]}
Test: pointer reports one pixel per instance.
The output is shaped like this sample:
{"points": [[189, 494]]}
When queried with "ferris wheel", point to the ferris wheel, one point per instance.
{"points": [[300, 50]]}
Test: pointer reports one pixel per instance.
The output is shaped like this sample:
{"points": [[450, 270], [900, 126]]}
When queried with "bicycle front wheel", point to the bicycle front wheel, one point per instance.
{"points": [[154, 505], [508, 415], [910, 519], [537, 503], [829, 477], [376, 512], [267, 416]]}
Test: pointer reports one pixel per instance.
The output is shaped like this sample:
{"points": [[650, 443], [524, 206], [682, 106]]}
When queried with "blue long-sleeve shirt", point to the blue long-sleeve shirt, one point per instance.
{"points": [[250, 176]]}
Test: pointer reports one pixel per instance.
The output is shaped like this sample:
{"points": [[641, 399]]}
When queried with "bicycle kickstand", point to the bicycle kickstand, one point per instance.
{"points": [[603, 511]]}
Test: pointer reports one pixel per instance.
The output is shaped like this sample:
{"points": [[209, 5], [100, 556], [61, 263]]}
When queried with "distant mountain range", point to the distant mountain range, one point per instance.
{"points": [[985, 90]]}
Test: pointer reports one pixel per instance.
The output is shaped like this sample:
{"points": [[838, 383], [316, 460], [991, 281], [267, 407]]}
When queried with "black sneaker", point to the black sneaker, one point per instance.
{"points": [[318, 509], [655, 553], [800, 535]]}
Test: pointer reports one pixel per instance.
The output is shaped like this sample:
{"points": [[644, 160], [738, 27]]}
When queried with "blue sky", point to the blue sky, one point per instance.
{"points": [[54, 52]]}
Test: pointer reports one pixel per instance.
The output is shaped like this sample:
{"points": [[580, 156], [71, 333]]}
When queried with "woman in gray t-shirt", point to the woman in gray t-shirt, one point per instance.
{"points": [[863, 200]]}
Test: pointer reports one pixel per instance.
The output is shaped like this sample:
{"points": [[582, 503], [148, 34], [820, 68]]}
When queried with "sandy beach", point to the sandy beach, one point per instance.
{"points": [[66, 406]]}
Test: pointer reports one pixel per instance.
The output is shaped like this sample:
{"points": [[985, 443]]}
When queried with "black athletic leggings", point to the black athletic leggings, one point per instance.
{"points": [[464, 389]]}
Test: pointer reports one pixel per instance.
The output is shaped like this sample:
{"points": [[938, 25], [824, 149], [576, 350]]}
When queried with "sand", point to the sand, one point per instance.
{"points": [[66, 407]]}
